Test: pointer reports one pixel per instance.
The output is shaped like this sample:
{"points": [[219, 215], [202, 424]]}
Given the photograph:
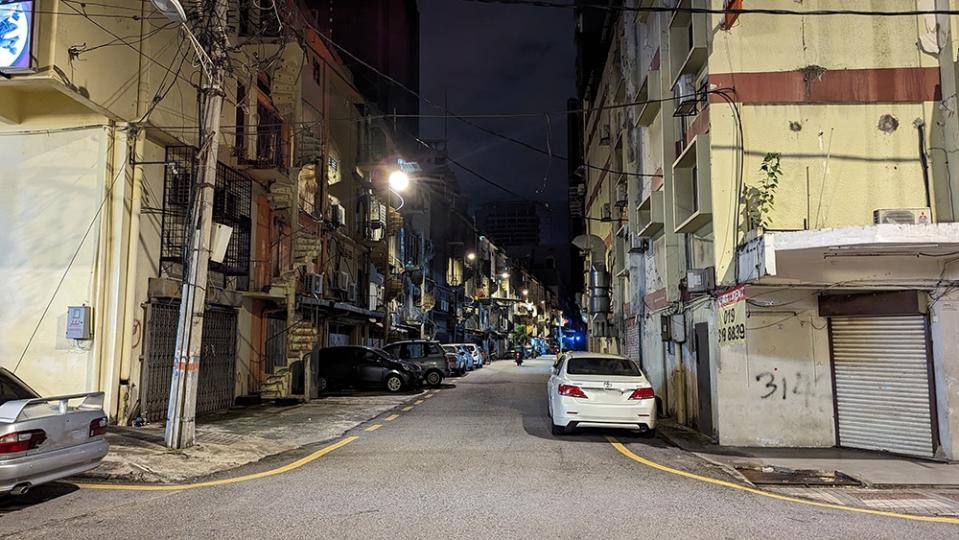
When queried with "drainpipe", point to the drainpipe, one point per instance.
{"points": [[948, 105]]}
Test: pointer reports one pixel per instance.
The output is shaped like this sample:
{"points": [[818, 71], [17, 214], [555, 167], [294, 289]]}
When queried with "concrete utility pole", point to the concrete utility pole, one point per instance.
{"points": [[181, 411]]}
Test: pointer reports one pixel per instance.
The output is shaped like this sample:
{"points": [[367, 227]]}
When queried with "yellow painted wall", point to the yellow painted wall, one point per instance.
{"points": [[851, 166], [54, 185]]}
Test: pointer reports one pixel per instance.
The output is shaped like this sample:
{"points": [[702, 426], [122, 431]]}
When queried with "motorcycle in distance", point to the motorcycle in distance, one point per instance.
{"points": [[518, 357]]}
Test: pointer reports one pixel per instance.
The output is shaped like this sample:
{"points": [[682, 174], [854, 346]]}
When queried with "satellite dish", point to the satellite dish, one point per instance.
{"points": [[171, 9]]}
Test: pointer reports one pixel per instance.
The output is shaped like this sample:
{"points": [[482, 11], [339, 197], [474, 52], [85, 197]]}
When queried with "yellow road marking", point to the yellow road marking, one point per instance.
{"points": [[406, 409], [417, 402], [621, 448], [211, 483], [392, 417], [374, 427], [428, 396]]}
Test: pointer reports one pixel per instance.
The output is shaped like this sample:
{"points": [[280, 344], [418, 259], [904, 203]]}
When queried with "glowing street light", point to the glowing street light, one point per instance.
{"points": [[525, 292], [471, 256], [399, 181], [505, 275]]}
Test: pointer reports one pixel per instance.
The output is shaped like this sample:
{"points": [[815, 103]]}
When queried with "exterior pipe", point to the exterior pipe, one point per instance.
{"points": [[129, 286]]}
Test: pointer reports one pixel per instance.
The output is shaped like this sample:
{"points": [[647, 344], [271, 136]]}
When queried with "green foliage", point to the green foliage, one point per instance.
{"points": [[757, 200]]}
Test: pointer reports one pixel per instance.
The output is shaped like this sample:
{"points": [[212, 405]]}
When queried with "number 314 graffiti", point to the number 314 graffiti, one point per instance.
{"points": [[776, 385]]}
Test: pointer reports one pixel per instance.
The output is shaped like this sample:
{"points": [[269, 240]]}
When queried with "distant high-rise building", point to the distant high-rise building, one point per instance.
{"points": [[384, 34], [511, 224]]}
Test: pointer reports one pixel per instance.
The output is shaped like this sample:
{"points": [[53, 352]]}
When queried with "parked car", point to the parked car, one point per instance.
{"points": [[429, 355], [47, 439], [463, 360], [474, 352], [357, 366], [600, 390]]}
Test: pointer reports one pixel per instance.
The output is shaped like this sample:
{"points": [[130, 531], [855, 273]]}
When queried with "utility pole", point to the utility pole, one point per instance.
{"points": [[181, 411]]}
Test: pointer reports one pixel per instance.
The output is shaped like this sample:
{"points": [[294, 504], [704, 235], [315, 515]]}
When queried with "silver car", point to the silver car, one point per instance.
{"points": [[46, 439]]}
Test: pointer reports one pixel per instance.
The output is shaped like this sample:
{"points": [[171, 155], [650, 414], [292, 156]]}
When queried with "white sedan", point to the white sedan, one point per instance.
{"points": [[600, 390]]}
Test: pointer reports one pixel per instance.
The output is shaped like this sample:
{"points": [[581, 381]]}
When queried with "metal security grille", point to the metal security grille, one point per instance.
{"points": [[883, 399], [232, 206], [276, 337], [216, 383]]}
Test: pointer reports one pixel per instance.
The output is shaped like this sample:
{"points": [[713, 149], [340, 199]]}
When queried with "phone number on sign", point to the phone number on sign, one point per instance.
{"points": [[733, 332]]}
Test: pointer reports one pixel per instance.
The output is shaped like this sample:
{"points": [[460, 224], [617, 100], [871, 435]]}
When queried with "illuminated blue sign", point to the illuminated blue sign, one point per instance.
{"points": [[16, 35]]}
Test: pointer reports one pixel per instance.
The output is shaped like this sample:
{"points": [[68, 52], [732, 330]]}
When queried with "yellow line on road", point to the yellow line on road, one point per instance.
{"points": [[428, 396], [406, 409], [374, 427], [621, 448], [417, 402], [211, 483], [392, 417]]}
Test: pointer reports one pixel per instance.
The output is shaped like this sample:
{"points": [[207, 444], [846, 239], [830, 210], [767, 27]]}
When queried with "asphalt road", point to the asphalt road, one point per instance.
{"points": [[474, 461]]}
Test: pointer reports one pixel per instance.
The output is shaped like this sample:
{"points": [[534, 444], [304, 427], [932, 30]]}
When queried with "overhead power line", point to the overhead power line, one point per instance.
{"points": [[759, 11]]}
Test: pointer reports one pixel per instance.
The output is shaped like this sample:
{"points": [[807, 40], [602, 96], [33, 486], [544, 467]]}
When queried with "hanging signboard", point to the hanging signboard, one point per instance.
{"points": [[732, 316], [16, 36]]}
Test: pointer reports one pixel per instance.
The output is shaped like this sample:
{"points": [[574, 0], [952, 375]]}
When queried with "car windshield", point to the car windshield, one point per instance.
{"points": [[620, 367], [12, 388]]}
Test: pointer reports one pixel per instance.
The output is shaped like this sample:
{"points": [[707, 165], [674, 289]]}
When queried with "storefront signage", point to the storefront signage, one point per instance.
{"points": [[732, 316], [16, 36]]}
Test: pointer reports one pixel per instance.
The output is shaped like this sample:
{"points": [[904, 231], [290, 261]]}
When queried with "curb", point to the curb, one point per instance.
{"points": [[89, 480]]}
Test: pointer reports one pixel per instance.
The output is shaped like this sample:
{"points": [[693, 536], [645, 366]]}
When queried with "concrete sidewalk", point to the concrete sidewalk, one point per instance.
{"points": [[833, 475], [872, 469], [238, 437]]}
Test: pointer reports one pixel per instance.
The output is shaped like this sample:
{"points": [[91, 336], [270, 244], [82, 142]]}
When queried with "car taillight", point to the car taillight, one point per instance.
{"points": [[22, 441], [571, 391], [98, 427], [642, 393]]}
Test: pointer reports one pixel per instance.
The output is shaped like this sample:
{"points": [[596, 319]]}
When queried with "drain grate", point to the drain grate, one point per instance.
{"points": [[775, 476]]}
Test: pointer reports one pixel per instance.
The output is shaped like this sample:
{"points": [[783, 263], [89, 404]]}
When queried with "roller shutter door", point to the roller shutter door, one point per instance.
{"points": [[882, 385]]}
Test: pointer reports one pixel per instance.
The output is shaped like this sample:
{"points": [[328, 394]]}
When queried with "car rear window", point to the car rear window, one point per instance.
{"points": [[603, 366], [12, 389]]}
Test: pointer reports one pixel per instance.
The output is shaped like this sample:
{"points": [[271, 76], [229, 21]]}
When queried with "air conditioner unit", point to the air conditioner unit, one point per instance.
{"points": [[622, 195], [701, 280], [342, 281], [313, 284], [638, 244], [338, 215], [902, 216], [684, 96]]}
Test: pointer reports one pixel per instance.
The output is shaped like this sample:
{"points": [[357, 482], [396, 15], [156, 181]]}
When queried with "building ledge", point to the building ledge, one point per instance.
{"points": [[764, 256]]}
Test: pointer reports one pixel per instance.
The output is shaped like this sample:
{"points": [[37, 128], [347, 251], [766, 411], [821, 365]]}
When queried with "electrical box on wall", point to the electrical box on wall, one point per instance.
{"points": [[80, 322], [665, 328]]}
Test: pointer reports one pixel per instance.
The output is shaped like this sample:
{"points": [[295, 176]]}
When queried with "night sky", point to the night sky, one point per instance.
{"points": [[493, 59]]}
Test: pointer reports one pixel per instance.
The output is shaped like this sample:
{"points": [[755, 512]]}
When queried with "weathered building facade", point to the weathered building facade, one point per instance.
{"points": [[776, 224]]}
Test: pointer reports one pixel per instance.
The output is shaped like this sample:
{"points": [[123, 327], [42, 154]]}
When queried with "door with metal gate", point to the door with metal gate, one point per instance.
{"points": [[216, 383], [882, 383]]}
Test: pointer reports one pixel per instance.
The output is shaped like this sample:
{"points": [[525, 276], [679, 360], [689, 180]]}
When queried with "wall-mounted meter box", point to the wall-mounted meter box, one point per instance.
{"points": [[80, 322]]}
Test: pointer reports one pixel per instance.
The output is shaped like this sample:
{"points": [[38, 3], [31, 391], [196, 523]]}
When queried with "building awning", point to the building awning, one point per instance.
{"points": [[880, 253], [339, 308]]}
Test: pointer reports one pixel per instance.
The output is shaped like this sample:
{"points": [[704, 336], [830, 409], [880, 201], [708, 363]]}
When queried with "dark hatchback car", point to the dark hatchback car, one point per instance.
{"points": [[356, 366]]}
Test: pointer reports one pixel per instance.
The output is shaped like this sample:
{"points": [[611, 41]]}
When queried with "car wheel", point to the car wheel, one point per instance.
{"points": [[394, 383], [558, 430], [322, 385], [434, 378], [649, 434]]}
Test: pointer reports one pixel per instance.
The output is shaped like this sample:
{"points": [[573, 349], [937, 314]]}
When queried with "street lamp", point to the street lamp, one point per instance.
{"points": [[505, 275], [471, 256], [525, 292], [399, 181]]}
